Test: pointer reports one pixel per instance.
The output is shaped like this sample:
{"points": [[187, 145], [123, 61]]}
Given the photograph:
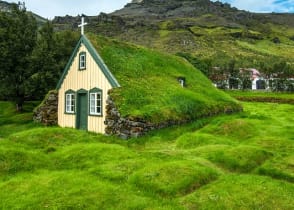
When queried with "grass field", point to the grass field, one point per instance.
{"points": [[260, 96], [240, 161]]}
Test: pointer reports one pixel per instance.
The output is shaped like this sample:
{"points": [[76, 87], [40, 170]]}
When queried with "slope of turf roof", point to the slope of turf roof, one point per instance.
{"points": [[150, 88]]}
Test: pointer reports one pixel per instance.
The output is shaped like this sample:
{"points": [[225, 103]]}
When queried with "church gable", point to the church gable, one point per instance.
{"points": [[81, 56]]}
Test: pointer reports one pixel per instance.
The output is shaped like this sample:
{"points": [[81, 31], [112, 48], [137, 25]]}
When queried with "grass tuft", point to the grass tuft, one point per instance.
{"points": [[173, 178], [196, 139], [240, 159], [242, 192]]}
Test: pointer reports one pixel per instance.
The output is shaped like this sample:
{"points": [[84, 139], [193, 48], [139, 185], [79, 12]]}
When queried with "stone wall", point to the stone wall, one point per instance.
{"points": [[134, 127], [129, 127], [46, 112]]}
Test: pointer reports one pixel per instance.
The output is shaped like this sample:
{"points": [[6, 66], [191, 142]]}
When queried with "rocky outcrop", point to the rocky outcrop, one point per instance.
{"points": [[5, 6], [46, 112], [136, 1]]}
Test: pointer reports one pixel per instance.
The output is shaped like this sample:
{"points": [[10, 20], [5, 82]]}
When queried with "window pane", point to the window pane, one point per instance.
{"points": [[82, 61], [70, 103], [95, 103], [92, 103], [98, 103]]}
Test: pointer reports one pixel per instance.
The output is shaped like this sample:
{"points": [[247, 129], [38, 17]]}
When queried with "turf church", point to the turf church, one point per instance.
{"points": [[83, 88]]}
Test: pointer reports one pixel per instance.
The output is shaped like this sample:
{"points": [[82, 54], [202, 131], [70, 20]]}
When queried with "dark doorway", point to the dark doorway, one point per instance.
{"points": [[82, 111], [260, 84]]}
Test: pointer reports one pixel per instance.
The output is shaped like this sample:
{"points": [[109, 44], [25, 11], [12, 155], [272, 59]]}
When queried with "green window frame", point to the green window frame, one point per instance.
{"points": [[70, 102], [82, 61], [95, 102]]}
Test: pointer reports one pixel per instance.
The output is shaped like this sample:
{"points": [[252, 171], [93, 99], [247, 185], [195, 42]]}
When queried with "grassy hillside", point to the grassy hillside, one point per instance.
{"points": [[210, 38], [150, 87], [209, 31], [241, 161]]}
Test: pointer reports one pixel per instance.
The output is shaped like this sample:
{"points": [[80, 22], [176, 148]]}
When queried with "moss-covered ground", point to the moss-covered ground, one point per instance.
{"points": [[240, 161]]}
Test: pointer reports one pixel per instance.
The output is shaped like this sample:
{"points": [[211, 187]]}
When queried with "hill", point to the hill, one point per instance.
{"points": [[241, 161], [150, 87], [209, 31], [5, 7]]}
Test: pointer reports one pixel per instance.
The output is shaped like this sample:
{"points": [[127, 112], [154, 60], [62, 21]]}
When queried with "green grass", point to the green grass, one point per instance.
{"points": [[215, 38], [173, 178], [266, 47], [242, 192], [240, 161], [150, 89], [260, 96], [12, 122]]}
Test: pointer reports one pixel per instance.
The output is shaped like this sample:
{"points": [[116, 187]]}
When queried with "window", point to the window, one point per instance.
{"points": [[96, 102], [82, 61], [182, 81], [70, 102]]}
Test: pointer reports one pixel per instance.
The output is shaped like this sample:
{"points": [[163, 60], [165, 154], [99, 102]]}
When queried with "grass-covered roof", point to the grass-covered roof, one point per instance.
{"points": [[150, 88]]}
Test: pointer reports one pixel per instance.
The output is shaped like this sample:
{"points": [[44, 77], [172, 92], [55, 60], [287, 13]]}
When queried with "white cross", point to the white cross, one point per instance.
{"points": [[82, 25]]}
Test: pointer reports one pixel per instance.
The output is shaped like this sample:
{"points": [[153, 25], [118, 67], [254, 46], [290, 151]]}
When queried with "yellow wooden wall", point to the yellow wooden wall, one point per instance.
{"points": [[87, 79]]}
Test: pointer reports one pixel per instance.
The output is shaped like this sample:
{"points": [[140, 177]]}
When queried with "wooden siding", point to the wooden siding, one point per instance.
{"points": [[91, 77]]}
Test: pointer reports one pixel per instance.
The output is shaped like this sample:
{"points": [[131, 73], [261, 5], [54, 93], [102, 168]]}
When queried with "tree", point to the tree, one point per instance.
{"points": [[245, 79], [44, 64], [234, 74], [18, 33], [49, 59]]}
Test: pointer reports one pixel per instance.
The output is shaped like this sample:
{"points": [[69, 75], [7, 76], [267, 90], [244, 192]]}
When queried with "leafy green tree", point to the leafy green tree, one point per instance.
{"points": [[245, 79], [43, 63], [283, 71], [18, 33], [49, 58], [234, 74]]}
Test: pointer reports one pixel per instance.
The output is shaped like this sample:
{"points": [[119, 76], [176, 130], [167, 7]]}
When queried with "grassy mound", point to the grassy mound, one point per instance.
{"points": [[173, 178], [89, 155], [257, 193], [240, 159], [280, 168], [68, 190], [196, 139], [49, 139], [150, 84], [240, 129], [194, 166], [15, 160]]}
